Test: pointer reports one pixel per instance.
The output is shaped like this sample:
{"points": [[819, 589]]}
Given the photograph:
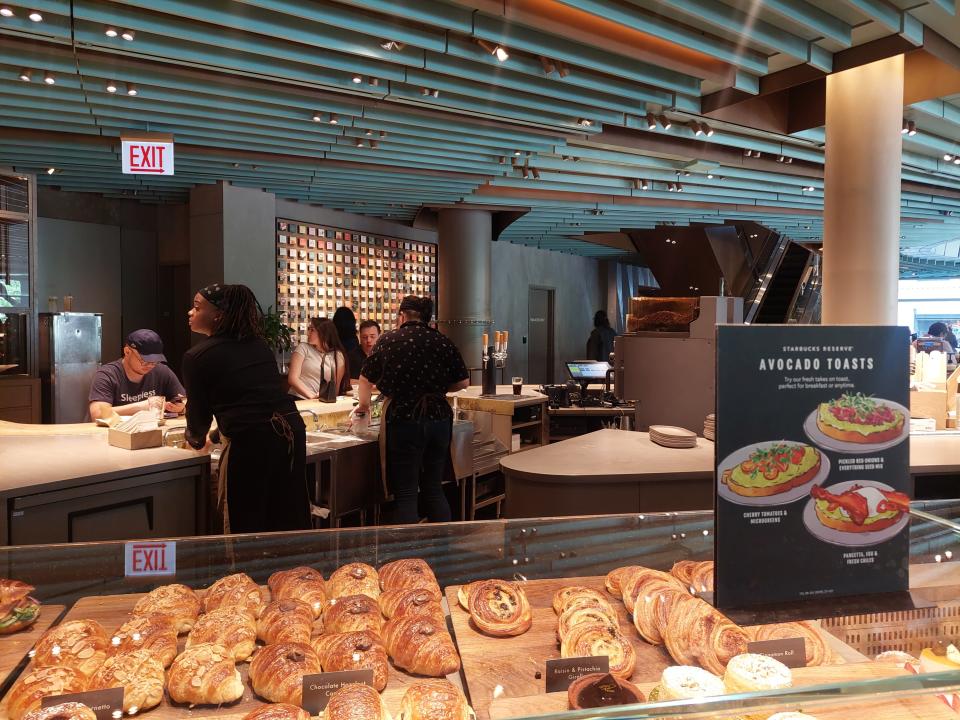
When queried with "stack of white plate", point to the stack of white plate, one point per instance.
{"points": [[710, 427], [673, 437]]}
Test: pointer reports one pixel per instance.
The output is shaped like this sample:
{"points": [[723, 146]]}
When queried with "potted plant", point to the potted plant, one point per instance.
{"points": [[278, 336]]}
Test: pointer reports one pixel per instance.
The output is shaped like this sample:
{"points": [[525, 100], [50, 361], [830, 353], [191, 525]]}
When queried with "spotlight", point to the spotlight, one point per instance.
{"points": [[665, 122], [48, 78], [645, 185], [6, 11], [374, 144], [51, 171], [903, 128], [359, 142], [132, 90], [810, 188], [25, 75], [651, 122], [368, 133], [780, 158], [425, 91], [392, 45], [111, 87], [516, 153], [435, 93], [317, 117], [35, 16], [383, 134], [708, 131], [334, 120], [748, 153], [128, 35], [498, 51], [679, 187], [357, 79], [562, 69], [111, 32], [911, 128], [374, 82], [789, 161], [956, 161], [947, 157], [709, 176], [536, 173], [697, 130], [672, 187], [525, 173], [584, 122]]}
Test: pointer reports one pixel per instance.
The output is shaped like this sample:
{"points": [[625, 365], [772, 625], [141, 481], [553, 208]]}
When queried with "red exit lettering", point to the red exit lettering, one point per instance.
{"points": [[146, 158], [149, 558]]}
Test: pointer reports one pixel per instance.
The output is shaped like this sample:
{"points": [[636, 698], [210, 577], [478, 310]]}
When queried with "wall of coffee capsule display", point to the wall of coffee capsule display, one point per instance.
{"points": [[320, 268]]}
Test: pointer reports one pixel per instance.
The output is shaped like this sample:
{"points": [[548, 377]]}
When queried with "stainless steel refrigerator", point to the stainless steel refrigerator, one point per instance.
{"points": [[69, 358]]}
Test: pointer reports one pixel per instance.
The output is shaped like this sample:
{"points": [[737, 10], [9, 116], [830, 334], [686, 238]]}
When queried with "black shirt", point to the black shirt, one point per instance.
{"points": [[414, 363], [111, 385], [355, 360], [235, 380]]}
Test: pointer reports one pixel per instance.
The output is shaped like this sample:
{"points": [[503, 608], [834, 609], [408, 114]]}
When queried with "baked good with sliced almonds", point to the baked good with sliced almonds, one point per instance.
{"points": [[176, 601], [232, 628], [139, 673], [78, 644], [154, 633], [35, 684], [235, 591], [204, 674]]}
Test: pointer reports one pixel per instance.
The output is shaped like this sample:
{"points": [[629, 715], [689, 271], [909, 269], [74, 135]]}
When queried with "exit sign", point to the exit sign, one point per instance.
{"points": [[146, 155], [150, 558]]}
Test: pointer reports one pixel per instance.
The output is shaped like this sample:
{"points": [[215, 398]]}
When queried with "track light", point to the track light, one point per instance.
{"points": [[947, 157], [51, 171], [707, 130], [498, 51], [709, 176], [548, 65], [132, 90], [128, 35], [584, 122], [317, 117], [780, 158], [903, 128], [383, 134], [562, 69], [334, 120], [425, 91], [368, 133], [748, 153], [373, 82], [111, 87], [810, 188], [651, 122], [516, 153], [911, 128], [679, 187], [26, 74], [672, 187], [665, 122], [645, 185], [357, 79], [6, 11], [392, 45], [956, 161], [374, 144], [697, 130], [435, 93], [525, 173], [35, 16], [359, 142], [536, 173], [110, 32], [48, 78]]}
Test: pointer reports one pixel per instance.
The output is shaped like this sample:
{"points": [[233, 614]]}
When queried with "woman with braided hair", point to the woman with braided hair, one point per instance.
{"points": [[232, 376]]}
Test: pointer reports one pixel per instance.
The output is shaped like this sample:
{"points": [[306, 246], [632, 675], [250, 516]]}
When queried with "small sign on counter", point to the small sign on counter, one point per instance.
{"points": [[318, 688], [792, 652], [145, 558], [106, 704], [563, 671]]}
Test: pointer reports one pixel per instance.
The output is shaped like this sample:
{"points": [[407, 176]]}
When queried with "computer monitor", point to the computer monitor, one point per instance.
{"points": [[588, 370]]}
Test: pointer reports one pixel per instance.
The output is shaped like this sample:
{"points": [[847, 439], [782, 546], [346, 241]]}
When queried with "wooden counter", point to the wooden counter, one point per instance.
{"points": [[503, 403]]}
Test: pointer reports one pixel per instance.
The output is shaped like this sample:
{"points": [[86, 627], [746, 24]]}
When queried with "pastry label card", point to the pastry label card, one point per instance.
{"points": [[106, 704], [318, 688], [812, 462], [562, 672], [144, 559], [792, 652]]}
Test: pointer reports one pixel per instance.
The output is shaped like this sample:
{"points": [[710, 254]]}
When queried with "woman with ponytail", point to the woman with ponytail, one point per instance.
{"points": [[232, 376]]}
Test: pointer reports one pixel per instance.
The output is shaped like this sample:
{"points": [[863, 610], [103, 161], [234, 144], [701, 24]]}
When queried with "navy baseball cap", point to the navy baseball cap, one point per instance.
{"points": [[148, 344]]}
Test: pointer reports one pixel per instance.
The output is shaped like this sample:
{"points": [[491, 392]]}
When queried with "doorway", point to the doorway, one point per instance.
{"points": [[540, 359]]}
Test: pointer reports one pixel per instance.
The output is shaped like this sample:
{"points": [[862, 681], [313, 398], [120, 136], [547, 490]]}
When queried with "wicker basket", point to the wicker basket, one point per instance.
{"points": [[908, 631]]}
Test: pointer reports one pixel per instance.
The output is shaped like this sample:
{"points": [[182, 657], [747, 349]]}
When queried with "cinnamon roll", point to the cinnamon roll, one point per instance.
{"points": [[300, 583], [354, 579], [499, 608], [354, 651], [599, 639], [406, 574]]}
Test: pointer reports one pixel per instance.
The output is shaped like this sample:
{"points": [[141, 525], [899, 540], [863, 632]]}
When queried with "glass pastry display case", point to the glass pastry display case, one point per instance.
{"points": [[479, 607]]}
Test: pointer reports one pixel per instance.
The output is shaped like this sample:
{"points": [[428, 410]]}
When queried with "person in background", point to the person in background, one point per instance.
{"points": [[318, 361], [937, 338], [232, 376], [369, 334], [414, 367], [123, 386], [346, 323], [600, 342]]}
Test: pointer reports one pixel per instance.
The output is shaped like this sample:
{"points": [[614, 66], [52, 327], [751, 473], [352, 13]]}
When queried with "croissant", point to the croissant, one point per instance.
{"points": [[353, 612], [577, 594], [63, 711], [421, 646], [354, 579], [285, 621], [34, 685], [237, 590], [634, 583], [354, 651], [581, 614], [356, 702], [727, 640], [300, 583], [701, 579], [649, 611], [410, 601], [232, 628], [79, 644], [435, 700], [697, 634], [138, 672], [499, 608], [204, 675], [406, 574], [817, 652], [176, 601], [682, 570], [592, 639], [277, 711], [613, 581], [155, 633], [277, 671]]}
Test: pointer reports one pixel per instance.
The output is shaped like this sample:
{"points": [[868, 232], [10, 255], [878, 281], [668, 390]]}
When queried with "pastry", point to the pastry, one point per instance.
{"points": [[300, 583], [499, 608], [652, 607], [635, 581], [756, 673], [421, 645], [79, 644], [204, 675], [34, 685], [138, 672], [406, 574], [463, 596], [683, 682], [859, 509], [18, 610], [155, 633], [856, 418], [354, 579], [565, 597], [600, 639], [941, 657], [176, 601], [602, 690], [410, 601], [237, 590], [356, 702], [682, 570], [354, 612], [435, 700], [277, 671], [897, 657], [614, 579], [277, 711], [230, 628], [63, 711], [285, 621], [773, 468], [697, 634], [581, 614], [701, 580], [817, 652], [354, 651]]}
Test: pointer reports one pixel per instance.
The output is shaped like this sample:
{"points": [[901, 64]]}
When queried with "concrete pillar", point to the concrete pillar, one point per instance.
{"points": [[463, 290], [861, 214]]}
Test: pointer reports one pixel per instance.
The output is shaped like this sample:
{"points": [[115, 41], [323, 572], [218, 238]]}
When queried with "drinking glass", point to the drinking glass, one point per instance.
{"points": [[517, 385]]}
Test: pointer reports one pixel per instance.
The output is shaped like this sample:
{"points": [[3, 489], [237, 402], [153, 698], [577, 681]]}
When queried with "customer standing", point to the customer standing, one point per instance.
{"points": [[600, 342], [319, 365], [346, 324], [232, 376], [414, 367], [369, 334]]}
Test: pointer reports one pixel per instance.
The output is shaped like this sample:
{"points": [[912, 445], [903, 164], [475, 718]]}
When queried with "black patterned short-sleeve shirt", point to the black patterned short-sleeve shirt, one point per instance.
{"points": [[413, 366]]}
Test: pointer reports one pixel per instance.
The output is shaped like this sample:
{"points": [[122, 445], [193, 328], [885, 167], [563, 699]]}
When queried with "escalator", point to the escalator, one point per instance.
{"points": [[778, 300]]}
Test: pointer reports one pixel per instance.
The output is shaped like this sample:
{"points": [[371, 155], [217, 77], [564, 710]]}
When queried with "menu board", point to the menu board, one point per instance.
{"points": [[812, 461], [321, 268]]}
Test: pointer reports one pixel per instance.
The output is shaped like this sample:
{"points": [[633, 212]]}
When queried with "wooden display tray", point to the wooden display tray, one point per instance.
{"points": [[112, 611], [506, 668], [14, 648]]}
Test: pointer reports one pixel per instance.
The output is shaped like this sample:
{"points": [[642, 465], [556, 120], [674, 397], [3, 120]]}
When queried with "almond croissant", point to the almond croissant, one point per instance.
{"points": [[139, 673], [421, 646], [204, 675], [277, 671], [177, 601], [34, 685], [79, 644], [156, 633], [232, 628], [238, 590]]}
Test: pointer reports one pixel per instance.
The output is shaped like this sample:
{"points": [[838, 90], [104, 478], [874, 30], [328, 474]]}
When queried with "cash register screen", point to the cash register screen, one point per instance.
{"points": [[592, 371]]}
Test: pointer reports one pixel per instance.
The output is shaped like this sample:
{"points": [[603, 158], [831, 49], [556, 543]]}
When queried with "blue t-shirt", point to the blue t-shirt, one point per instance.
{"points": [[111, 385]]}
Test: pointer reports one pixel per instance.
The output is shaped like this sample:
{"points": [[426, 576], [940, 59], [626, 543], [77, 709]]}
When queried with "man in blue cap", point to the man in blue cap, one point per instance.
{"points": [[123, 386]]}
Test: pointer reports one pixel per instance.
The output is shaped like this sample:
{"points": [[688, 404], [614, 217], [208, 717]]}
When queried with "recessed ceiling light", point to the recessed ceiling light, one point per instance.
{"points": [[48, 78], [131, 89], [111, 87], [35, 16], [6, 11], [128, 35], [111, 32], [25, 75]]}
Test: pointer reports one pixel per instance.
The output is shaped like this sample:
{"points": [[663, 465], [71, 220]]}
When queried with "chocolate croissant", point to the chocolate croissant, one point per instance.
{"points": [[499, 608], [277, 711], [63, 711], [411, 601], [354, 579], [300, 583], [34, 685], [435, 700], [78, 644], [354, 651], [285, 621], [139, 673], [277, 671], [238, 590], [204, 675], [421, 645], [354, 612], [356, 702], [177, 601], [229, 627], [592, 639], [154, 633], [406, 574]]}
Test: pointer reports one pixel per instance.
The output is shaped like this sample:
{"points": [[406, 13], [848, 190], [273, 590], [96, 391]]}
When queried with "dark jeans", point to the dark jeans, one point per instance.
{"points": [[417, 454]]}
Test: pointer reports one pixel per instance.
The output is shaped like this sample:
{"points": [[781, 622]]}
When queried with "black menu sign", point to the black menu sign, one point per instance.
{"points": [[812, 459]]}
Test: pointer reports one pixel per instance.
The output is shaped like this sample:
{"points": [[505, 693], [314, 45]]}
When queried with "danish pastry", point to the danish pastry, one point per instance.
{"points": [[79, 644], [277, 711], [354, 579], [285, 621], [354, 651], [353, 612], [138, 672], [582, 614], [410, 601], [300, 583], [817, 652], [231, 628], [204, 675], [421, 646], [63, 711], [277, 671], [577, 595], [34, 685], [238, 590], [435, 700], [406, 574], [613, 581], [499, 608], [697, 634], [154, 633], [356, 702], [176, 601], [600, 639]]}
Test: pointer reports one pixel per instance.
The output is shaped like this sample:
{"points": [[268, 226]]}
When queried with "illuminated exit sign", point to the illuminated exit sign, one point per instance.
{"points": [[147, 155]]}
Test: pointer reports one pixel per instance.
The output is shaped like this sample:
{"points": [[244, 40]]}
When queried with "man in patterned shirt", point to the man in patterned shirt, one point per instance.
{"points": [[414, 367]]}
